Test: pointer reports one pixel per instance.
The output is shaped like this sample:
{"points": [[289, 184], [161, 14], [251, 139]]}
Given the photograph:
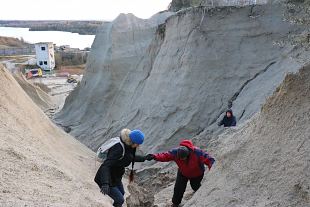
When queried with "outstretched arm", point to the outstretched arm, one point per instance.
{"points": [[139, 158], [166, 156], [221, 122]]}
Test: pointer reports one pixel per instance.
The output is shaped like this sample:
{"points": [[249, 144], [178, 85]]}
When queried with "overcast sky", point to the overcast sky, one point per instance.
{"points": [[78, 9]]}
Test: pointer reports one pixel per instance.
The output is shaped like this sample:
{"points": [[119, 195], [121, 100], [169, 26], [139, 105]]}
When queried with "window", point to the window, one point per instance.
{"points": [[45, 62], [41, 63], [42, 48]]}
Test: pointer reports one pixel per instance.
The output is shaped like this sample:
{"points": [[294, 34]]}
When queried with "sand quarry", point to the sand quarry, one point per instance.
{"points": [[40, 164]]}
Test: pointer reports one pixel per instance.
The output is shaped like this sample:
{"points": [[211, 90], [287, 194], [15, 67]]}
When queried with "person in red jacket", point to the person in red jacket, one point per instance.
{"points": [[191, 161]]}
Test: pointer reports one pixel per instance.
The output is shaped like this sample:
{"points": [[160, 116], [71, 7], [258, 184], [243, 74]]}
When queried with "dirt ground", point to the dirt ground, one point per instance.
{"points": [[75, 69], [58, 87]]}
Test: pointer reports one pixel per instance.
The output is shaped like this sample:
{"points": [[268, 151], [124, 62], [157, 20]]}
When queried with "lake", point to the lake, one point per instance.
{"points": [[59, 38]]}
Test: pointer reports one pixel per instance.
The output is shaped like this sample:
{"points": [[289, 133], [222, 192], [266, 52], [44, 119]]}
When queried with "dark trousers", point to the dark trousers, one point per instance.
{"points": [[117, 194], [180, 186]]}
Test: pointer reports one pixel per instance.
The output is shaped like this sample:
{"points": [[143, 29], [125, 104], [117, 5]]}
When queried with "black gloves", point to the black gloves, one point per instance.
{"points": [[149, 157], [105, 189]]}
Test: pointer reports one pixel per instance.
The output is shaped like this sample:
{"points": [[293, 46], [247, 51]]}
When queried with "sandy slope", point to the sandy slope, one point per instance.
{"points": [[267, 162], [40, 164], [38, 96]]}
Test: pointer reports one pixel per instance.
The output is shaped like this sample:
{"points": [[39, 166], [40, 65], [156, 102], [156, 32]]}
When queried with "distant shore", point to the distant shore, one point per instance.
{"points": [[10, 42], [74, 26]]}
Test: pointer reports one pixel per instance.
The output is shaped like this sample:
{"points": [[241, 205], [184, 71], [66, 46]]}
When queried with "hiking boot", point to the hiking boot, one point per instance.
{"points": [[174, 205]]}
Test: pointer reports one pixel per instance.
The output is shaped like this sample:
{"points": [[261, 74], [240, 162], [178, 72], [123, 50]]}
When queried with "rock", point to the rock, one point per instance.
{"points": [[138, 197]]}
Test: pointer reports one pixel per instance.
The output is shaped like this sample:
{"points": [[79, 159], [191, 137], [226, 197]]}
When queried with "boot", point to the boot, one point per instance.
{"points": [[174, 205]]}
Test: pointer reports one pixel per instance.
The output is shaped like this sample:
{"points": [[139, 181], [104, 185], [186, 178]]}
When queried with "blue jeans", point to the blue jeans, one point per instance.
{"points": [[117, 194]]}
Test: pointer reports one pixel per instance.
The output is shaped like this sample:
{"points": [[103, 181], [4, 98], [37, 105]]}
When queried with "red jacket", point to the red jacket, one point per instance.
{"points": [[194, 165]]}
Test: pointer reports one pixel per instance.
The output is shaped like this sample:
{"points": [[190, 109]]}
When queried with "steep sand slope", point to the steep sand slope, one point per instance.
{"points": [[177, 82], [40, 164], [38, 96], [266, 163]]}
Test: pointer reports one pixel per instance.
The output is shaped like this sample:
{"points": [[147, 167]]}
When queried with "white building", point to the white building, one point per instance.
{"points": [[45, 55]]}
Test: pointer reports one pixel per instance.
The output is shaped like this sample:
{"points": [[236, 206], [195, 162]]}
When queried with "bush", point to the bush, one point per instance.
{"points": [[70, 58]]}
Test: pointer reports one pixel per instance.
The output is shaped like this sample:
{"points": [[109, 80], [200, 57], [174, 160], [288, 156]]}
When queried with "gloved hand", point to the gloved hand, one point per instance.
{"points": [[149, 157], [105, 189]]}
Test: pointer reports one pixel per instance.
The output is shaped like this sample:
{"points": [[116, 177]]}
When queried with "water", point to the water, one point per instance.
{"points": [[59, 38]]}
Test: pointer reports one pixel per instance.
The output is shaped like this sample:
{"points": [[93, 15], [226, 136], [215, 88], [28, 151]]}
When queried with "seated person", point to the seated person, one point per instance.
{"points": [[228, 120]]}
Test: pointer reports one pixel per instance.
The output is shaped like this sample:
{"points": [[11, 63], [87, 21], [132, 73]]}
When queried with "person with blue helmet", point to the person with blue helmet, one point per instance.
{"points": [[109, 175]]}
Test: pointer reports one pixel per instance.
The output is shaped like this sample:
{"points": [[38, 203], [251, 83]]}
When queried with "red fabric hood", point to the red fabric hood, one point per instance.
{"points": [[187, 143]]}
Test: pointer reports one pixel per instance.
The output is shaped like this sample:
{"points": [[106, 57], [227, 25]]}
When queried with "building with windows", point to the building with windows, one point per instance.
{"points": [[45, 55]]}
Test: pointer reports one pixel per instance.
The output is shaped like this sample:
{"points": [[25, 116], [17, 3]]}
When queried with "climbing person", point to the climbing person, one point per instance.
{"points": [[191, 161], [109, 175], [228, 120]]}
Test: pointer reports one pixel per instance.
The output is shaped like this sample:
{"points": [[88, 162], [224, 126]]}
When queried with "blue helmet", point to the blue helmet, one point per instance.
{"points": [[136, 136]]}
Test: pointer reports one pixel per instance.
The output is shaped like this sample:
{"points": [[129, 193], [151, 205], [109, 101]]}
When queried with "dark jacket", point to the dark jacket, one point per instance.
{"points": [[194, 165], [228, 122], [112, 169]]}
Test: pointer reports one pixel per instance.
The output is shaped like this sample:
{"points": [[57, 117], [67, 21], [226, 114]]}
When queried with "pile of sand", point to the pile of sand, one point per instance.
{"points": [[40, 164], [38, 96], [267, 162]]}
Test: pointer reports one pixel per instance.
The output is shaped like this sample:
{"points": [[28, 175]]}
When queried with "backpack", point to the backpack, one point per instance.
{"points": [[103, 150]]}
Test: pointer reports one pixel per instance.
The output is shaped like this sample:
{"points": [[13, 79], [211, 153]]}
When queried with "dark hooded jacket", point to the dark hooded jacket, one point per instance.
{"points": [[228, 122], [112, 169]]}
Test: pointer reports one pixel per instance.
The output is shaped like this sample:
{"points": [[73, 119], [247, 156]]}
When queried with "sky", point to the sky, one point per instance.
{"points": [[78, 9]]}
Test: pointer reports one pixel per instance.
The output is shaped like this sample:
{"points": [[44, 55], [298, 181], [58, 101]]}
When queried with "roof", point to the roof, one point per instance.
{"points": [[48, 43]]}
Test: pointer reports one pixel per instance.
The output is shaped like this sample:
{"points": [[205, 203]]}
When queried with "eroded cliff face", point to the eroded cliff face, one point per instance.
{"points": [[177, 5], [266, 162], [176, 81], [117, 51]]}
